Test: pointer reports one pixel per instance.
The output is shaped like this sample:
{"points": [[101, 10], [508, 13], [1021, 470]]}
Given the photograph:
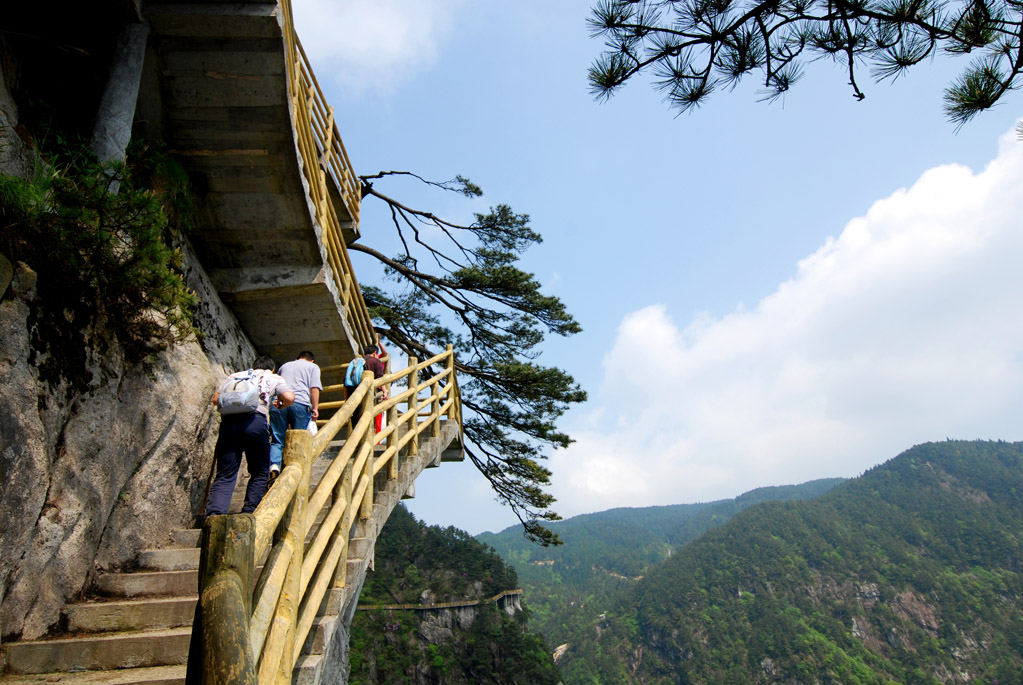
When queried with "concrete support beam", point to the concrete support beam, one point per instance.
{"points": [[112, 130]]}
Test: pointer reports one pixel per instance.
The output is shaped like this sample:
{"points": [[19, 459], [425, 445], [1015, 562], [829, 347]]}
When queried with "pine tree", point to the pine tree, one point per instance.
{"points": [[459, 284], [692, 48]]}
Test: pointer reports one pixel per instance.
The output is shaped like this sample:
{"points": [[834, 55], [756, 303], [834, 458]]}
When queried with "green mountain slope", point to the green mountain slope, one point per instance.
{"points": [[423, 565], [604, 553], [912, 573]]}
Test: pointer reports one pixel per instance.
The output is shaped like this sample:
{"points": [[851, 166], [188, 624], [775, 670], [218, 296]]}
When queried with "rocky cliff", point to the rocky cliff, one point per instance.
{"points": [[94, 470]]}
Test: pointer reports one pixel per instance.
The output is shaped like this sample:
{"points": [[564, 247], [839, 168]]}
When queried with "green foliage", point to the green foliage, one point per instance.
{"points": [[606, 553], [693, 48], [102, 256], [414, 561], [462, 287], [906, 574]]}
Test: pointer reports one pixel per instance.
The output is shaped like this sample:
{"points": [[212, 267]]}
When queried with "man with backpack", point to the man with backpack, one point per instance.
{"points": [[369, 361], [244, 401], [303, 377]]}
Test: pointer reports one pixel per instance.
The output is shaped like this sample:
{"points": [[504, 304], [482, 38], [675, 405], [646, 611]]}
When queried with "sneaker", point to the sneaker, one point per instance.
{"points": [[275, 471]]}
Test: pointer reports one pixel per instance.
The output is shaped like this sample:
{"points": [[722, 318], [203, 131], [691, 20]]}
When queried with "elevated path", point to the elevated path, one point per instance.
{"points": [[231, 93], [266, 596]]}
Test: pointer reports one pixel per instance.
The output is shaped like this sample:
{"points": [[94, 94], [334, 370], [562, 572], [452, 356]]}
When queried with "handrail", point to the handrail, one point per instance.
{"points": [[256, 621], [323, 154], [440, 605]]}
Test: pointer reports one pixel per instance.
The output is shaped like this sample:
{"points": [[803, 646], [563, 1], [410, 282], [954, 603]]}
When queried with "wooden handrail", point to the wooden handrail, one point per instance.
{"points": [[323, 154], [250, 627], [270, 613]]}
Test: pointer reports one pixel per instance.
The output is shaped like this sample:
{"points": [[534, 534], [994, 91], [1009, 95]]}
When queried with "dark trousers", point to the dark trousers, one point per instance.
{"points": [[240, 433]]}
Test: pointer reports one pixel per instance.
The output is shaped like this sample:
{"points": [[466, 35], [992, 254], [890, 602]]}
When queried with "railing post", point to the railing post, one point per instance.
{"points": [[297, 450], [366, 509], [344, 489], [392, 421], [219, 648], [452, 393], [435, 410], [413, 406]]}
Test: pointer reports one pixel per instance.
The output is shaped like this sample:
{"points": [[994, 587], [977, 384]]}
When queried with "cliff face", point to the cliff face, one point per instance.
{"points": [[429, 614], [93, 472]]}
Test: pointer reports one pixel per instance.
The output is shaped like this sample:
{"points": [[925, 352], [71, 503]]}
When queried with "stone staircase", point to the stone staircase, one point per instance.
{"points": [[137, 627]]}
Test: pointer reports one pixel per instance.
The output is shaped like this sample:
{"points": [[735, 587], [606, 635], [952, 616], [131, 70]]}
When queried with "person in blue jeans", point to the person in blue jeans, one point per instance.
{"points": [[303, 377], [246, 433]]}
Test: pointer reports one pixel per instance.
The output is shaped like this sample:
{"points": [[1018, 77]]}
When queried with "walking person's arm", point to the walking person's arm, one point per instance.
{"points": [[314, 402]]}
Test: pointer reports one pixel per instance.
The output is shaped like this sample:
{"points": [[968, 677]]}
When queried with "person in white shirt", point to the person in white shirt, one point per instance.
{"points": [[246, 432], [303, 377]]}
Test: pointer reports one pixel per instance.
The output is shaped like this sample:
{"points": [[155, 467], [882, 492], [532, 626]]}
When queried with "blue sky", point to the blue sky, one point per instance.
{"points": [[769, 293]]}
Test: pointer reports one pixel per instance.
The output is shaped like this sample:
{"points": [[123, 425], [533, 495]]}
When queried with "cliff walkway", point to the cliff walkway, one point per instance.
{"points": [[263, 597]]}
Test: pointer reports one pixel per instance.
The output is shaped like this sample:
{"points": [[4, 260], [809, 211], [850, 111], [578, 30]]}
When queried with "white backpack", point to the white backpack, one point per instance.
{"points": [[240, 393]]}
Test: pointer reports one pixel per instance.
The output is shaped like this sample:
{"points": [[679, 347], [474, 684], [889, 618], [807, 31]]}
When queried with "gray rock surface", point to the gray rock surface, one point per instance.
{"points": [[14, 156], [90, 478]]}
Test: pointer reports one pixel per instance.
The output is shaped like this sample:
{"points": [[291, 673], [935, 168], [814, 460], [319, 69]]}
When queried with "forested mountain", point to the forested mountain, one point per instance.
{"points": [[605, 553], [424, 565], [912, 573]]}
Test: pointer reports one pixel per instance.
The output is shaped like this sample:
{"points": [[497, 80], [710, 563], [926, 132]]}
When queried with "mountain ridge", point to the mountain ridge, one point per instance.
{"points": [[911, 573]]}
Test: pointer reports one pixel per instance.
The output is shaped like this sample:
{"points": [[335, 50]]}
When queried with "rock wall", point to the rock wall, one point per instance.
{"points": [[90, 477]]}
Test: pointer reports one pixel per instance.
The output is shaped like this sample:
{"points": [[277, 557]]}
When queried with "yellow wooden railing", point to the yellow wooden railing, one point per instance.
{"points": [[323, 153], [252, 622]]}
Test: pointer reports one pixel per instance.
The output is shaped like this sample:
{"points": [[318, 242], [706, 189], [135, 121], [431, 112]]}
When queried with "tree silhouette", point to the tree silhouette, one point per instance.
{"points": [[692, 48], [459, 284]]}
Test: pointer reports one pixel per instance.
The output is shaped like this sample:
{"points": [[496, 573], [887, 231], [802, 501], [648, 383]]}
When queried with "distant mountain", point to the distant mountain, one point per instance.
{"points": [[912, 573], [569, 586], [404, 633]]}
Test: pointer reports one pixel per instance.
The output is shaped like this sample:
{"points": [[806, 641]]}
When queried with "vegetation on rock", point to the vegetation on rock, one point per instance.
{"points": [[102, 255]]}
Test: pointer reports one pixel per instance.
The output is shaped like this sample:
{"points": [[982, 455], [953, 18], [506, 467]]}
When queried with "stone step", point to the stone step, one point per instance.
{"points": [[100, 652], [154, 675], [148, 583], [171, 559], [319, 633], [151, 613], [308, 670], [186, 537]]}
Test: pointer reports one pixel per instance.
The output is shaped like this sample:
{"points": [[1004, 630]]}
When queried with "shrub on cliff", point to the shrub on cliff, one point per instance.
{"points": [[99, 238]]}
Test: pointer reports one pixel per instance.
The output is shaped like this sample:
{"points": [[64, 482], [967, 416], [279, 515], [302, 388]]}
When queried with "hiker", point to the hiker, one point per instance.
{"points": [[303, 377], [370, 361], [244, 400]]}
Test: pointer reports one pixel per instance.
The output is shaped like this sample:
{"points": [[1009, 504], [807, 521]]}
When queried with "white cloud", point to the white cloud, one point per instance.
{"points": [[373, 45], [907, 327]]}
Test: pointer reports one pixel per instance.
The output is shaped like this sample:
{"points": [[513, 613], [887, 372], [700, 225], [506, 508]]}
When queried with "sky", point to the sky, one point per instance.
{"points": [[769, 293]]}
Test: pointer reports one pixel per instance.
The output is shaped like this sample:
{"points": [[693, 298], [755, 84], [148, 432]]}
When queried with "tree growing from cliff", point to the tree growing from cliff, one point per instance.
{"points": [[459, 284], [692, 48]]}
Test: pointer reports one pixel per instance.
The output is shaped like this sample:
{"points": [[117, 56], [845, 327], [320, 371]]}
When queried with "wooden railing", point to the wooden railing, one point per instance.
{"points": [[323, 153], [251, 622]]}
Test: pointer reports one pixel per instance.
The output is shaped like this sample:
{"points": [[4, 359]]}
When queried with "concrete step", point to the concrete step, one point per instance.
{"points": [[320, 632], [186, 537], [151, 613], [155, 675], [308, 670], [100, 652], [170, 559], [148, 583]]}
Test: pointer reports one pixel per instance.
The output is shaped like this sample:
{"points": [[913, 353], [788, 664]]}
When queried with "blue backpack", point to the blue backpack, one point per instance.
{"points": [[354, 374]]}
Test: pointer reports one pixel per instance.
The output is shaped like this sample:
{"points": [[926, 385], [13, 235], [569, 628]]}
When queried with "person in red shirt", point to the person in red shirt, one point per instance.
{"points": [[371, 354]]}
